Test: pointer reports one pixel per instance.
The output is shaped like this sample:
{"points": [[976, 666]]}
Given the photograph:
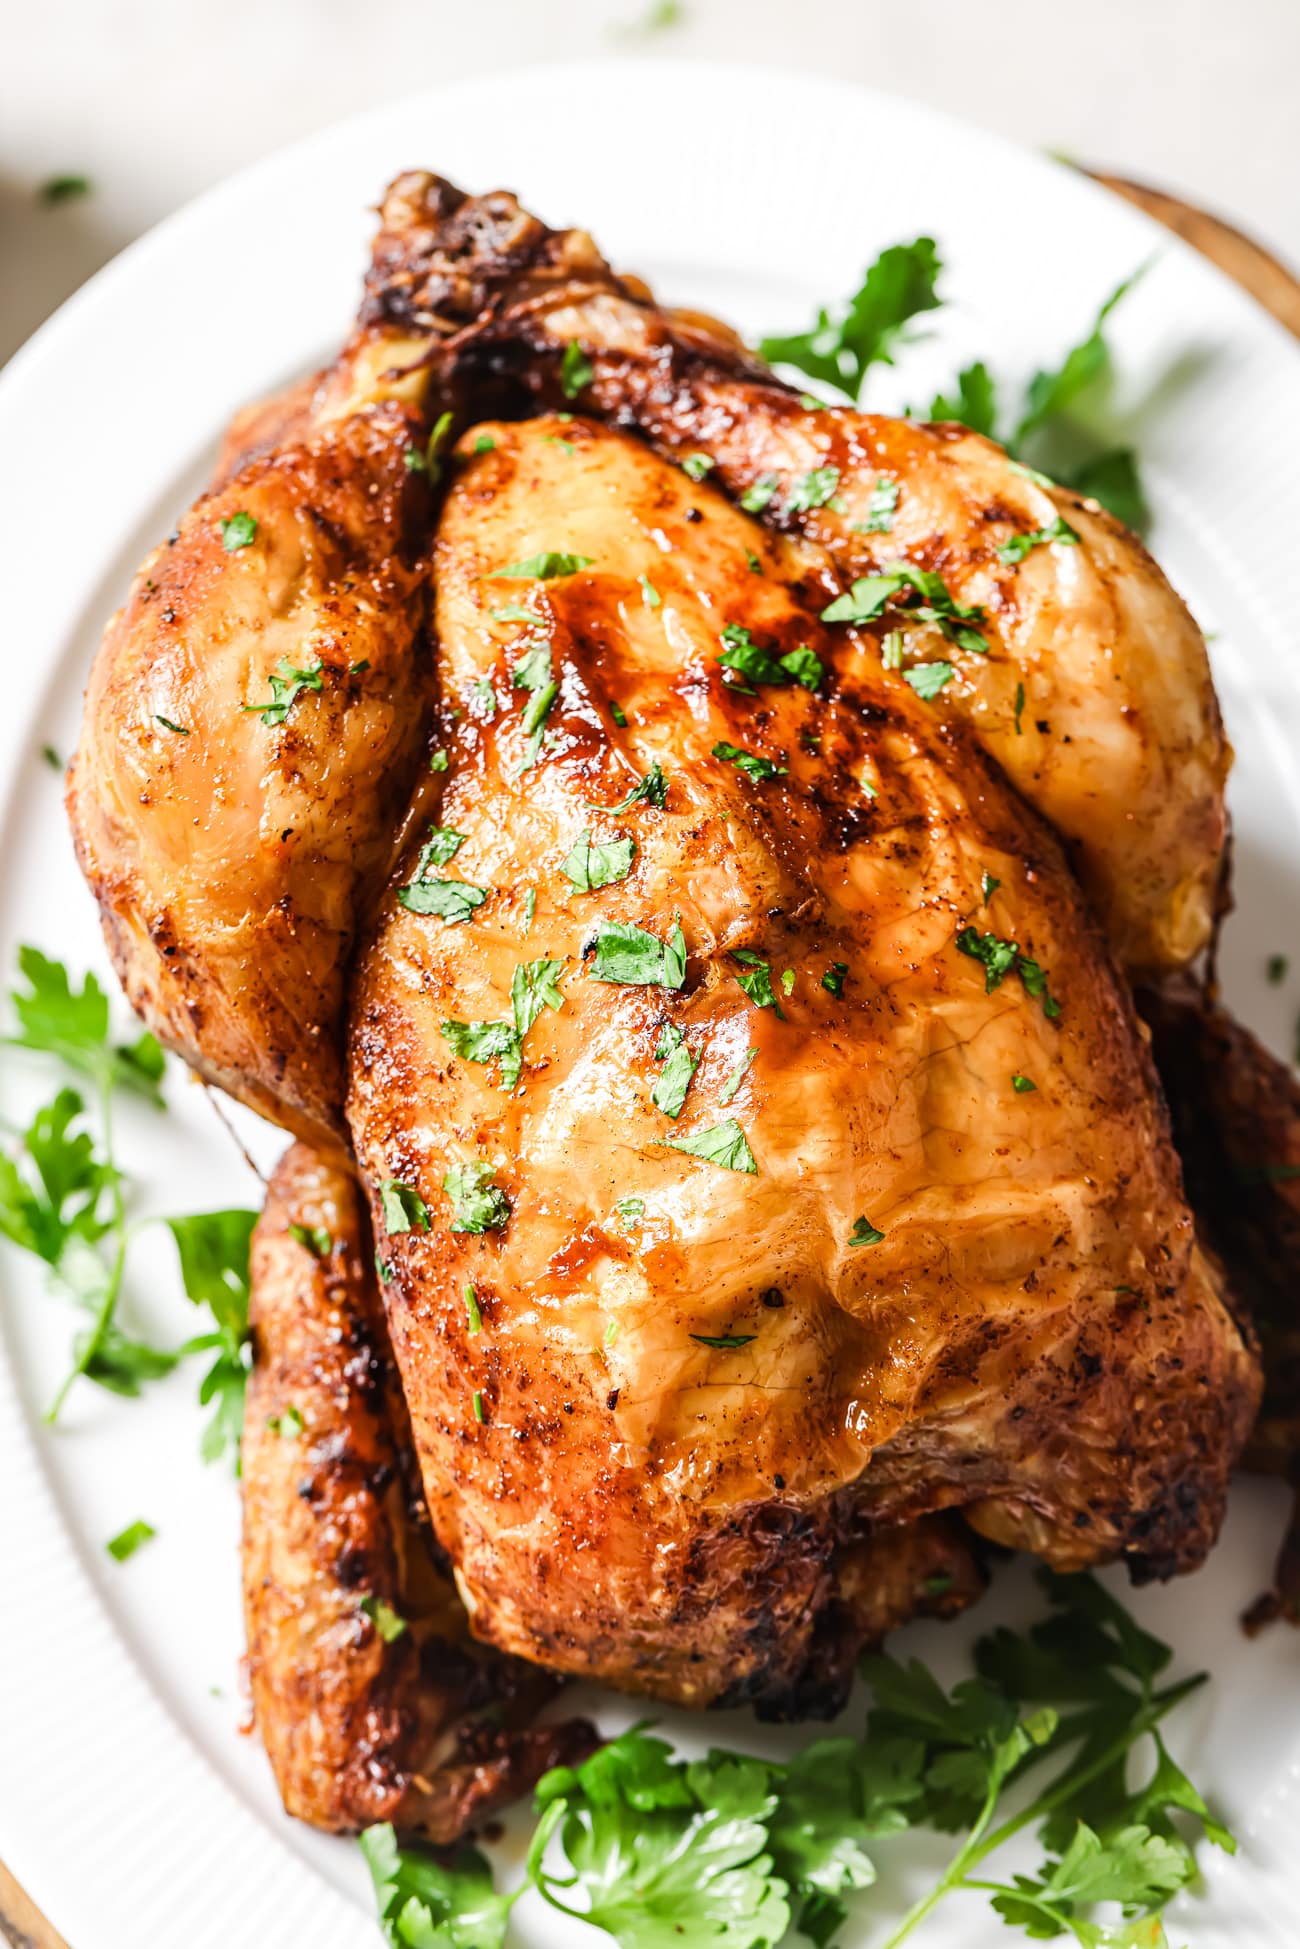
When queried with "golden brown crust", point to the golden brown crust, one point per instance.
{"points": [[229, 853], [357, 1728], [1035, 1340]]}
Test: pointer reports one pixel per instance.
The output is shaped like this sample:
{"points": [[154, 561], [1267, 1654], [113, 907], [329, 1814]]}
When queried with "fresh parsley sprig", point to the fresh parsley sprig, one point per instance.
{"points": [[842, 346], [730, 1851]]}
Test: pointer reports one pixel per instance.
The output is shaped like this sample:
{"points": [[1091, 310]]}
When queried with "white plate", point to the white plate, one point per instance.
{"points": [[128, 1803]]}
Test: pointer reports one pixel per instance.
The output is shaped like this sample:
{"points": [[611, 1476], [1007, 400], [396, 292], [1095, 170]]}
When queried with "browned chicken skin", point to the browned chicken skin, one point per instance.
{"points": [[698, 1431], [410, 1722]]}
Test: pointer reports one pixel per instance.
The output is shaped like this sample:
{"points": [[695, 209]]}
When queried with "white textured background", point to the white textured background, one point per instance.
{"points": [[156, 99]]}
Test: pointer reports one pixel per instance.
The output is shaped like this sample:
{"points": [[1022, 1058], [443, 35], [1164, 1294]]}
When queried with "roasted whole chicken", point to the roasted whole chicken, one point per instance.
{"points": [[642, 827]]}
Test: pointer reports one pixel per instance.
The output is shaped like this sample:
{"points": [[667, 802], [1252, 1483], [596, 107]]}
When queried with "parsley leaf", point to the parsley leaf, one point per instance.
{"points": [[385, 1619], [747, 761], [757, 984], [652, 790], [864, 1233], [737, 1076], [840, 349], [64, 189], [427, 1901], [928, 679], [477, 1204], [671, 1086], [1053, 390], [1016, 547], [533, 988], [697, 465], [923, 595], [592, 866], [213, 1247], [484, 1042], [812, 490], [724, 1144], [442, 845], [237, 531], [1022, 1085], [287, 683], [627, 954], [315, 1239], [630, 1212], [1113, 479], [1001, 958], [403, 1208], [128, 1540], [833, 979], [741, 652], [73, 1025], [756, 497], [975, 403], [724, 1342], [546, 567], [450, 900], [882, 507], [663, 1851], [576, 370], [650, 596]]}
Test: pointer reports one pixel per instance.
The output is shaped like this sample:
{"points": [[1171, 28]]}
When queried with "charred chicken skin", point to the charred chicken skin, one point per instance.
{"points": [[771, 1182]]}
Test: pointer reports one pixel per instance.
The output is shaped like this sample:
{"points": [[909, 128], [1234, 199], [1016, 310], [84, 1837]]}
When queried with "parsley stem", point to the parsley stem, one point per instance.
{"points": [[108, 1304], [979, 1844]]}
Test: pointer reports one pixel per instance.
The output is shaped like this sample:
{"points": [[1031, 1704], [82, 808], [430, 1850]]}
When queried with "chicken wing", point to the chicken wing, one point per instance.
{"points": [[372, 1701], [743, 1042]]}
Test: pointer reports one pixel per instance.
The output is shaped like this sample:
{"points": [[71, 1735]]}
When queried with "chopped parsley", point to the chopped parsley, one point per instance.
{"points": [[384, 1618], [1276, 969], [548, 566], [740, 652], [602, 863], [1022, 1085], [287, 683], [477, 1204], [480, 1413], [618, 714], [315, 1239], [813, 490], [1020, 709], [485, 444], [724, 1144], [450, 900], [438, 760], [442, 845], [576, 370], [737, 1076], [403, 1208], [534, 673], [627, 954], [724, 1342], [882, 507], [51, 757], [923, 596], [787, 982], [650, 596], [64, 189], [999, 958], [839, 349], [630, 1212], [746, 761], [652, 790], [756, 498], [864, 1233], [988, 887], [928, 679], [833, 979], [237, 531], [485, 1042], [1016, 547], [180, 729], [128, 1540], [975, 402], [757, 984], [673, 1082], [287, 1426], [473, 1312], [697, 465], [483, 698]]}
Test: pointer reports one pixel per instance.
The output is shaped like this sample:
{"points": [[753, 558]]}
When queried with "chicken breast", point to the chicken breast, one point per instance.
{"points": [[371, 1700], [763, 1147]]}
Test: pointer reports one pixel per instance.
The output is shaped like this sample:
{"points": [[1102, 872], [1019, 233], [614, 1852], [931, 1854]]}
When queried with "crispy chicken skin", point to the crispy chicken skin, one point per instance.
{"points": [[1118, 741], [703, 1431], [1035, 1339], [424, 1728], [229, 851]]}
